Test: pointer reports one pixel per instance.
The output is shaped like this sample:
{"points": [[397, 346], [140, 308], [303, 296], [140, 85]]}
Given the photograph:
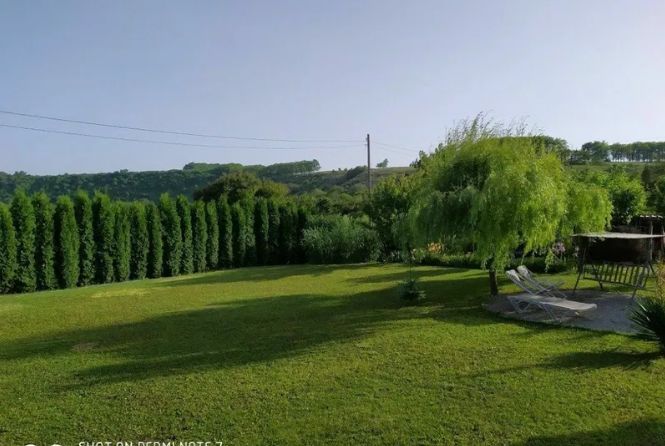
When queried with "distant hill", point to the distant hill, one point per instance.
{"points": [[300, 176]]}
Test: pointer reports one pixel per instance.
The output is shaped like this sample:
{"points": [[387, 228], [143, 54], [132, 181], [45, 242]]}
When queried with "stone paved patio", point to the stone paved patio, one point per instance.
{"points": [[612, 313]]}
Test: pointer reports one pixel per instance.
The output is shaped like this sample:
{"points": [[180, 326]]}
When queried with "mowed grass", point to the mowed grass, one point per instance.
{"points": [[314, 355]]}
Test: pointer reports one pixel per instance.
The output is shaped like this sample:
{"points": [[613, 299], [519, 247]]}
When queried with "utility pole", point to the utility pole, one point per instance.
{"points": [[369, 168]]}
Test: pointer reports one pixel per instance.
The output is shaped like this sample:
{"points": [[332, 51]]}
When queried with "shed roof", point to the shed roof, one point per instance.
{"points": [[618, 235]]}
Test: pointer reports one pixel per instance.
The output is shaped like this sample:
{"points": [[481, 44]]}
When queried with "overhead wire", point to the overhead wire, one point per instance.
{"points": [[396, 147], [172, 143], [173, 132]]}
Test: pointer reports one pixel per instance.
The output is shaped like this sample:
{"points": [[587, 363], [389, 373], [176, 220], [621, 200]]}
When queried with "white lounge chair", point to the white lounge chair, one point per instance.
{"points": [[527, 286], [555, 307], [544, 287], [560, 308], [522, 303]]}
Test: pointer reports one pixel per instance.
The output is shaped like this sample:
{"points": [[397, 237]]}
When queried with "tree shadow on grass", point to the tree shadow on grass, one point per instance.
{"points": [[238, 332], [604, 359], [261, 273], [647, 432], [403, 275], [584, 361]]}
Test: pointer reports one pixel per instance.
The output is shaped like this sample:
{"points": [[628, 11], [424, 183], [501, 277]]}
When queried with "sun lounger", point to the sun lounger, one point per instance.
{"points": [[555, 307], [527, 286], [540, 285]]}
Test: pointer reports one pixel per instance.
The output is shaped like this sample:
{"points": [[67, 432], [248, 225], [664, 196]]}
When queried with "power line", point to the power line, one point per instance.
{"points": [[173, 132], [398, 152], [410, 150], [171, 143]]}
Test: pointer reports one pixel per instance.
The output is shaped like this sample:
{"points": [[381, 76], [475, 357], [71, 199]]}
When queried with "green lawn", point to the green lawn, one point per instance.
{"points": [[309, 355]]}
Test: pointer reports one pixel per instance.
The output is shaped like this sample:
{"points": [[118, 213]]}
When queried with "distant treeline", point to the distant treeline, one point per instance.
{"points": [[601, 151], [79, 240], [126, 185]]}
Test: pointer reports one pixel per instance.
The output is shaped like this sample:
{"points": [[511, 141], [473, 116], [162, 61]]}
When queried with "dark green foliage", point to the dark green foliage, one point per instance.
{"points": [[288, 220], [388, 207], [66, 243], [128, 185], [658, 195], [411, 292], [471, 261], [281, 170], [302, 221], [271, 189], [155, 245], [557, 146], [83, 212], [649, 313], [185, 214], [200, 235], [261, 230], [103, 220], [239, 222], [235, 185], [212, 245], [7, 250], [649, 316], [626, 193], [171, 236], [635, 151], [225, 233], [341, 239], [138, 241], [44, 255], [250, 243], [23, 216], [121, 238], [273, 232]]}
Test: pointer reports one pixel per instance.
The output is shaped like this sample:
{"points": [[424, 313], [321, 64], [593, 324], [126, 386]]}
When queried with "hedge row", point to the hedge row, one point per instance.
{"points": [[80, 241], [470, 261]]}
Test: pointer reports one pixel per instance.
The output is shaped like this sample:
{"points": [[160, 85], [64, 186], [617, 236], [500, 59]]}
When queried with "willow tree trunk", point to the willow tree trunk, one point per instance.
{"points": [[494, 286]]}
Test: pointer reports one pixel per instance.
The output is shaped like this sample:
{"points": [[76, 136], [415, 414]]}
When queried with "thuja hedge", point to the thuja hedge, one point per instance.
{"points": [[83, 240]]}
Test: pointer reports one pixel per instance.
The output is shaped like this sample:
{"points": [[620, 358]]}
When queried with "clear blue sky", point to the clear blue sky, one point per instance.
{"points": [[403, 71]]}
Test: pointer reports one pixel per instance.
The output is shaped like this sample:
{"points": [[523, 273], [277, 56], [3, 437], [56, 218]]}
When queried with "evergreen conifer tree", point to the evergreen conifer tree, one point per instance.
{"points": [[66, 243]]}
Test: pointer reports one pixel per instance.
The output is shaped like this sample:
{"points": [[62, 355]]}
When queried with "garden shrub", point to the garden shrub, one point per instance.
{"points": [[86, 260], [387, 207], [411, 292], [104, 234], [200, 235], [44, 255], [155, 245], [470, 261], [66, 243], [649, 313], [23, 216], [7, 250], [185, 213], [212, 245], [225, 233], [171, 236], [340, 239], [138, 241]]}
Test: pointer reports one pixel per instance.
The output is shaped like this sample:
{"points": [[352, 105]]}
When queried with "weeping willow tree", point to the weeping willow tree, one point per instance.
{"points": [[496, 189]]}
